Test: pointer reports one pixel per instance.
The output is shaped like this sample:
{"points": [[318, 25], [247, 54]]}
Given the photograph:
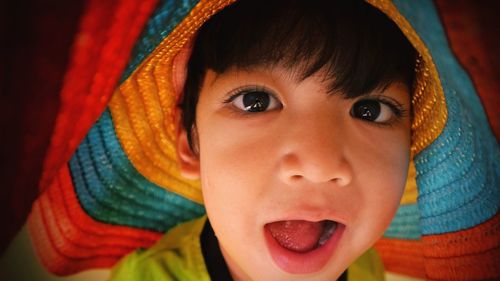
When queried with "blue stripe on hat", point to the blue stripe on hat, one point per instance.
{"points": [[111, 190], [164, 19], [405, 224], [457, 175]]}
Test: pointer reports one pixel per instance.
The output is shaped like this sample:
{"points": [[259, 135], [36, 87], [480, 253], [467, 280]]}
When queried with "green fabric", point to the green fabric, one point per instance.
{"points": [[177, 256], [368, 267]]}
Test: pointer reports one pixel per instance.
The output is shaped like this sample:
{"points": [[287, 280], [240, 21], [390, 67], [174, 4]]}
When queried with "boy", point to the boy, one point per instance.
{"points": [[291, 112]]}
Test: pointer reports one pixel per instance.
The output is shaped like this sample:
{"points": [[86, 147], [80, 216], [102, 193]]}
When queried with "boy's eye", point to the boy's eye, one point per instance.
{"points": [[374, 111], [254, 101]]}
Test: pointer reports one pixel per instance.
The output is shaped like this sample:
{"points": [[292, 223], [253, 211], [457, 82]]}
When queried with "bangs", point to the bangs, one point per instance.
{"points": [[358, 47]]}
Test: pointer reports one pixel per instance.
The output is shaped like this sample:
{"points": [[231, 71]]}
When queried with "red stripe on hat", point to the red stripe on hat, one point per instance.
{"points": [[402, 256], [471, 254], [108, 32], [67, 240]]}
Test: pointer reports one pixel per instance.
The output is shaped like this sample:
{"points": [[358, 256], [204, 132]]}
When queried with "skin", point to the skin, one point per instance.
{"points": [[306, 158]]}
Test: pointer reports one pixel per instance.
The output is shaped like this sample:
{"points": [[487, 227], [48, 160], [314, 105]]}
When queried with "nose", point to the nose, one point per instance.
{"points": [[314, 150]]}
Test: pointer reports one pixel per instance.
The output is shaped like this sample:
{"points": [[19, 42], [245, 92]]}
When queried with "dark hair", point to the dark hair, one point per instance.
{"points": [[360, 48]]}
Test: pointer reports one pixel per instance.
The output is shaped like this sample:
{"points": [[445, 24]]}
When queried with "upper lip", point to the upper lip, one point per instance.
{"points": [[312, 214]]}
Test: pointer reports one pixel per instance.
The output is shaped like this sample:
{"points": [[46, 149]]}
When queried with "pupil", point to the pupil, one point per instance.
{"points": [[256, 101], [367, 109]]}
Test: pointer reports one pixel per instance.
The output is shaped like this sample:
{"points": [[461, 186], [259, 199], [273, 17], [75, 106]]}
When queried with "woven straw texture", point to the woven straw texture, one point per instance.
{"points": [[111, 184]]}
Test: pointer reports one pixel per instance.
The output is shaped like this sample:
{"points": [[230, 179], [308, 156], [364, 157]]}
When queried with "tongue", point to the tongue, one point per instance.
{"points": [[296, 235]]}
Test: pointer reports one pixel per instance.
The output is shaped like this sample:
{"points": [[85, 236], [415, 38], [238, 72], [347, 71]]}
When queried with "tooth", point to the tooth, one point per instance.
{"points": [[329, 229]]}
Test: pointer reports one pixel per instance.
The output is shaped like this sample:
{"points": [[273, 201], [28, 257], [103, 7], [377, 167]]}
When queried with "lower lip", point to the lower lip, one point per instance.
{"points": [[303, 263]]}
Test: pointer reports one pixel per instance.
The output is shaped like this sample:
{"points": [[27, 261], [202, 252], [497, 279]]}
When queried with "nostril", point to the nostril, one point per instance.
{"points": [[342, 181], [295, 169]]}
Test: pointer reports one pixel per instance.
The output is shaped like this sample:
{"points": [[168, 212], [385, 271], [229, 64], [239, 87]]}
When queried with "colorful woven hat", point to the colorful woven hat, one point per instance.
{"points": [[113, 185]]}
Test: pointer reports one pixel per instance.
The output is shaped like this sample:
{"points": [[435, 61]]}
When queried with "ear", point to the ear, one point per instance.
{"points": [[189, 162]]}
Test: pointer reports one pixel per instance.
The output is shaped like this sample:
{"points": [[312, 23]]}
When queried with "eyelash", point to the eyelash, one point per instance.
{"points": [[244, 90], [231, 96], [396, 107]]}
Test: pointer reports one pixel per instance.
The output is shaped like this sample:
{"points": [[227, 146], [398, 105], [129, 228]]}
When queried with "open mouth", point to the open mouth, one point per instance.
{"points": [[302, 236], [300, 246]]}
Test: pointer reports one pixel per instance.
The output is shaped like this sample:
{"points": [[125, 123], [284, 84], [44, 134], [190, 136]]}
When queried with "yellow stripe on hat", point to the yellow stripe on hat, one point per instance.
{"points": [[429, 105], [410, 193], [143, 109]]}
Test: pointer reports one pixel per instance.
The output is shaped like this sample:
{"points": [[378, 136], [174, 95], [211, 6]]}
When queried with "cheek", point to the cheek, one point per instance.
{"points": [[382, 155], [234, 177], [381, 166], [233, 168]]}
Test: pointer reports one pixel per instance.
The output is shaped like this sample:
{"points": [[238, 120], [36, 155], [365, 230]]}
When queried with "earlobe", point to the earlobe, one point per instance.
{"points": [[189, 162]]}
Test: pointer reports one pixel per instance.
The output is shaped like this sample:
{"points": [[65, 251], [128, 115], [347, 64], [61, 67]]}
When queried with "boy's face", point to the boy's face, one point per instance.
{"points": [[279, 157]]}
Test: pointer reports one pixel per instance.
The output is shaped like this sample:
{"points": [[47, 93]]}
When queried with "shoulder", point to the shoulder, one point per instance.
{"points": [[176, 256]]}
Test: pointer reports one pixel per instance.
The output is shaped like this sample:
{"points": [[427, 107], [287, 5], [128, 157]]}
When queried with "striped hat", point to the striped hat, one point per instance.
{"points": [[111, 182]]}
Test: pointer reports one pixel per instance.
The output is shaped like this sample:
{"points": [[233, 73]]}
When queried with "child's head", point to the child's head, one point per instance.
{"points": [[296, 118]]}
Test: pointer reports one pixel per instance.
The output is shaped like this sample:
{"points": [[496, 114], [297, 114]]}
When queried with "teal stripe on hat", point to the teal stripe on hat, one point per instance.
{"points": [[457, 175], [405, 224], [112, 191], [164, 19]]}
